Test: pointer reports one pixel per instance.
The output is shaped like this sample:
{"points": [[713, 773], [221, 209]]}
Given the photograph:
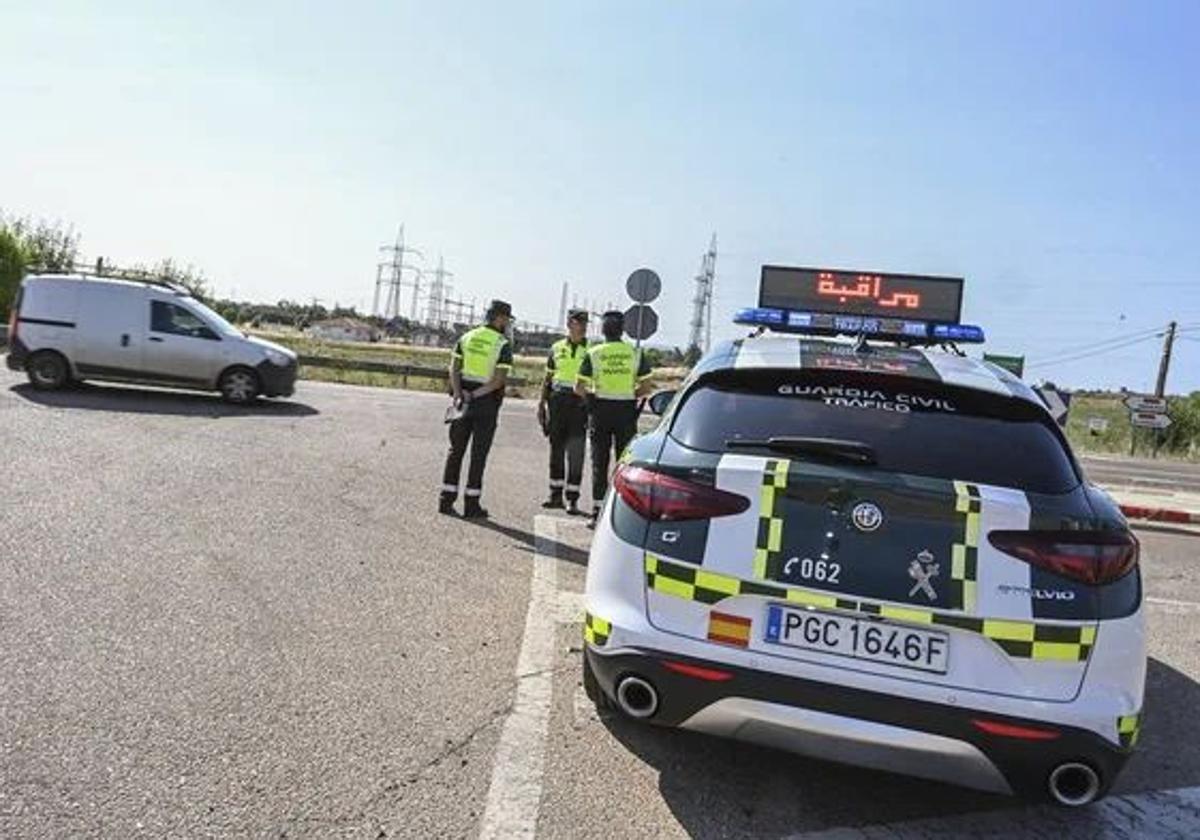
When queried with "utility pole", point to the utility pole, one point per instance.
{"points": [[1164, 363], [701, 333], [1160, 387]]}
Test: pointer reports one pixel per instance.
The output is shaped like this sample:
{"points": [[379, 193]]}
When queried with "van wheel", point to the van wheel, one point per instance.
{"points": [[47, 370], [239, 386]]}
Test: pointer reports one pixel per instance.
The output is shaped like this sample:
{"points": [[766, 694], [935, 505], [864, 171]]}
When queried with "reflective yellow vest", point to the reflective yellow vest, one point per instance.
{"points": [[480, 350], [614, 374], [567, 359]]}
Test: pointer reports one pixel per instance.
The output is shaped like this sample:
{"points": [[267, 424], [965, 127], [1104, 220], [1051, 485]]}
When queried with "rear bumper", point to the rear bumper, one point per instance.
{"points": [[856, 726], [278, 380]]}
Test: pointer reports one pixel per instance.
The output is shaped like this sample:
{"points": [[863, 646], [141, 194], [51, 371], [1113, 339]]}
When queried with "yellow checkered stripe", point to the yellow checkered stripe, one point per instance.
{"points": [[964, 554], [1128, 728], [595, 630], [770, 526], [1019, 639]]}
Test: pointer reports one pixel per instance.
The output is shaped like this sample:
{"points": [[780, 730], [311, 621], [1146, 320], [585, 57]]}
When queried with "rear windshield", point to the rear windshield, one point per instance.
{"points": [[916, 428]]}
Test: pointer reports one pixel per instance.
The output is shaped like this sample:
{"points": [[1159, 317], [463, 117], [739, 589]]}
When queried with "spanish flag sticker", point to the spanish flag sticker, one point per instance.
{"points": [[728, 629]]}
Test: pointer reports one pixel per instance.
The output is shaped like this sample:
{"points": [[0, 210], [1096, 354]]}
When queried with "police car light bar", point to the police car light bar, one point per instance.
{"points": [[827, 323]]}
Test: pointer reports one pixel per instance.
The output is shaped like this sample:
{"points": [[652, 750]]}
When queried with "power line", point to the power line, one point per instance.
{"points": [[1098, 352]]}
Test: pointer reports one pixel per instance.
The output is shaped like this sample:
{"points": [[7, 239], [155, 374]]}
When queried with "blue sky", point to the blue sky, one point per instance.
{"points": [[1050, 153]]}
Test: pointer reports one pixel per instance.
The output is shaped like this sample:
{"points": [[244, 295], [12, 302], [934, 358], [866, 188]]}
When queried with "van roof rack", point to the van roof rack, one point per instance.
{"points": [[99, 271]]}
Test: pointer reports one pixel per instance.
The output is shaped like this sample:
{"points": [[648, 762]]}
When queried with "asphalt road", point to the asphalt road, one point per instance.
{"points": [[225, 623], [1151, 474]]}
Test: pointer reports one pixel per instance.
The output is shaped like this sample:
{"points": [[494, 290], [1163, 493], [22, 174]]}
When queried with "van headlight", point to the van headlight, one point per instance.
{"points": [[275, 357]]}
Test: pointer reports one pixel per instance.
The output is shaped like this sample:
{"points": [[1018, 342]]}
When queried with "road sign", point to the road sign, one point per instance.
{"points": [[1146, 404], [1149, 420], [1097, 425], [643, 285], [1057, 402], [1013, 364], [641, 322]]}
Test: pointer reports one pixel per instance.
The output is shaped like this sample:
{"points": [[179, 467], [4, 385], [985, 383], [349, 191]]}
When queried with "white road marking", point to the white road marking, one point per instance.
{"points": [[1160, 813], [569, 607], [515, 793], [1171, 602], [584, 709]]}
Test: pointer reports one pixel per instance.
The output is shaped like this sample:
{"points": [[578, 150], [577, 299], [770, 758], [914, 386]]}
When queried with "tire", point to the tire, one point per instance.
{"points": [[239, 386], [591, 687], [47, 370]]}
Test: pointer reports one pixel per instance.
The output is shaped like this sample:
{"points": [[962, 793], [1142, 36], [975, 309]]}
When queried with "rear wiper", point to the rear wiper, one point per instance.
{"points": [[831, 448]]}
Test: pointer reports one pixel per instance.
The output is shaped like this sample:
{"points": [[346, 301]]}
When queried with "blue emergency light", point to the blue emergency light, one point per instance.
{"points": [[906, 308]]}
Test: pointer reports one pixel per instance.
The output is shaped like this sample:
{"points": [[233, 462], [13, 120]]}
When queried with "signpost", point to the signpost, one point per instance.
{"points": [[1057, 402], [1013, 364], [1147, 412], [1149, 420], [641, 321], [644, 286], [1147, 404]]}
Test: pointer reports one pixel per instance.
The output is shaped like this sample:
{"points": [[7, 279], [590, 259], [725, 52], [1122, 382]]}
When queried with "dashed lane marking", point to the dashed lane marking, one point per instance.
{"points": [[515, 793], [1158, 814], [1171, 602]]}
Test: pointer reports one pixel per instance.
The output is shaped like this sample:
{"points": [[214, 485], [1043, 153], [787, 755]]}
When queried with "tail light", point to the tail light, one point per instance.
{"points": [[658, 496], [1093, 557]]}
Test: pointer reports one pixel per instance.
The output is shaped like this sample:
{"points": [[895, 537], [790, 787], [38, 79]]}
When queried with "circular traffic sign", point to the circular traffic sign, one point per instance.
{"points": [[641, 322], [643, 285]]}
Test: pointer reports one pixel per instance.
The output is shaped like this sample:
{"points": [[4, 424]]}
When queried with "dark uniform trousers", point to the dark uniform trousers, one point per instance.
{"points": [[475, 428], [614, 423], [568, 436]]}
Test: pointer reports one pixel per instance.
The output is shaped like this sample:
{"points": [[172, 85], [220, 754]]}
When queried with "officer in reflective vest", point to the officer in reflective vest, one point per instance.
{"points": [[479, 369], [613, 376], [563, 414]]}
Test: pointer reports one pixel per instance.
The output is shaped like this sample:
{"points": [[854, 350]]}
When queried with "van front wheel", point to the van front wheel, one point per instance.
{"points": [[47, 370], [239, 386]]}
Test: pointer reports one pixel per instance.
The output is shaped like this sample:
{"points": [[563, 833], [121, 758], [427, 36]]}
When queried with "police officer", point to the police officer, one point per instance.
{"points": [[563, 413], [613, 376], [479, 369]]}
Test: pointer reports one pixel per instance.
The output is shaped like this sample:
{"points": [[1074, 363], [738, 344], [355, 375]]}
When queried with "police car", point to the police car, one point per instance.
{"points": [[847, 539]]}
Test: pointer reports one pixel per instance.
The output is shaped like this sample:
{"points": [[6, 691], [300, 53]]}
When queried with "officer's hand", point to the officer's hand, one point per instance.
{"points": [[541, 413]]}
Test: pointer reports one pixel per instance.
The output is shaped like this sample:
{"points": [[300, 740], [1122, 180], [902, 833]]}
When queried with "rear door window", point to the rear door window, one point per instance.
{"points": [[913, 427]]}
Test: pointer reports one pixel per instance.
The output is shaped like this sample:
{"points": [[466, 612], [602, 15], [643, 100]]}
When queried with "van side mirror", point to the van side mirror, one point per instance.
{"points": [[661, 401]]}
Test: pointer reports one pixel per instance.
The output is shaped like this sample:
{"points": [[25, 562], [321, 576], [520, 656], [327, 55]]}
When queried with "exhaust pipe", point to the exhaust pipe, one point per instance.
{"points": [[1073, 784], [637, 698]]}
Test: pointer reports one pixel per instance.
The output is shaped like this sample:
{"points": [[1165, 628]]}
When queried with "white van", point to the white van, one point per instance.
{"points": [[72, 327]]}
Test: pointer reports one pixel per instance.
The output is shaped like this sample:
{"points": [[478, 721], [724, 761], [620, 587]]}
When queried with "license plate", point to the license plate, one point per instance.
{"points": [[860, 638]]}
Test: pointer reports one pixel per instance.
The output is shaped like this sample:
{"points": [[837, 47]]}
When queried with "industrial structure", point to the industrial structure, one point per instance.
{"points": [[701, 324]]}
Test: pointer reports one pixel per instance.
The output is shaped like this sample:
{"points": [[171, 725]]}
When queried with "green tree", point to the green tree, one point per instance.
{"points": [[47, 246], [12, 267]]}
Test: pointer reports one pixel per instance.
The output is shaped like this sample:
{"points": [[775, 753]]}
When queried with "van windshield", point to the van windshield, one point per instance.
{"points": [[214, 320]]}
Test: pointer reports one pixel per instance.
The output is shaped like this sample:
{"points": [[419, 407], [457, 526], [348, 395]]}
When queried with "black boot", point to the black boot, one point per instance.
{"points": [[446, 505], [555, 502], [573, 508], [472, 509]]}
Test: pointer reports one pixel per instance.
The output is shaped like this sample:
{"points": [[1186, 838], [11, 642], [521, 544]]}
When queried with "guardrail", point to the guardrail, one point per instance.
{"points": [[402, 370]]}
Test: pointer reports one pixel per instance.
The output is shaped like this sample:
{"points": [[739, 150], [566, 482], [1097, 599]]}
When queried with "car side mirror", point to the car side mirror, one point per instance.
{"points": [[660, 402]]}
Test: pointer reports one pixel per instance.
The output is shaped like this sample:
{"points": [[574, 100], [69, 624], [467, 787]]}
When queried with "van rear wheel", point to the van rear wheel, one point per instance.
{"points": [[239, 386], [47, 370]]}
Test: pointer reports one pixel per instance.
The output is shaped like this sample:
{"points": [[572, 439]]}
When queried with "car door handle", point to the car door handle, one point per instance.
{"points": [[155, 338], [125, 339]]}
